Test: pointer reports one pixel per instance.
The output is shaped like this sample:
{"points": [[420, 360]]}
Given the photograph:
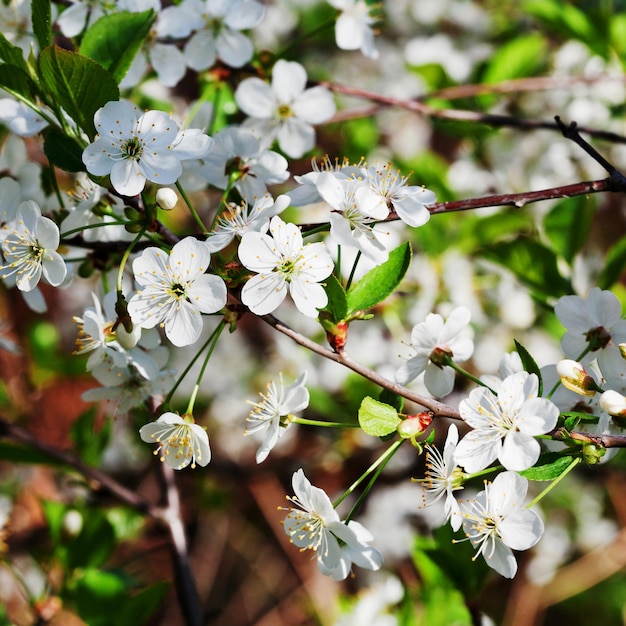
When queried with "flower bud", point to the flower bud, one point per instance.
{"points": [[613, 403], [128, 340], [575, 378], [414, 425], [166, 198], [622, 350]]}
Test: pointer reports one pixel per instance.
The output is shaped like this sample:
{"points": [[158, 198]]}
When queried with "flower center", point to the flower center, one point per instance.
{"points": [[284, 112], [178, 291], [598, 338], [132, 148]]}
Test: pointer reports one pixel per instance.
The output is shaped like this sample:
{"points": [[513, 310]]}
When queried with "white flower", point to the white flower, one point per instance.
{"points": [[237, 153], [20, 118], [10, 199], [284, 264], [614, 403], [349, 226], [505, 425], [433, 340], [442, 478], [593, 323], [78, 16], [353, 30], [219, 35], [174, 290], [496, 522], [239, 219], [180, 442], [133, 146], [387, 189], [277, 403], [510, 363], [287, 110], [315, 525], [166, 198], [29, 248]]}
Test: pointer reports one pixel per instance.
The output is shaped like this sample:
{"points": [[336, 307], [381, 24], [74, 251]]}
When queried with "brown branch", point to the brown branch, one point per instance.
{"points": [[461, 115], [438, 408]]}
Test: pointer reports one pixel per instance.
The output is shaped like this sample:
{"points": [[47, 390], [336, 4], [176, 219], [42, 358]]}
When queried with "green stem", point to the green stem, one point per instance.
{"points": [[338, 266], [460, 370], [351, 277], [215, 335], [553, 484], [124, 260], [307, 422], [191, 208], [80, 229], [304, 36], [322, 228], [384, 457], [379, 466], [484, 472]]}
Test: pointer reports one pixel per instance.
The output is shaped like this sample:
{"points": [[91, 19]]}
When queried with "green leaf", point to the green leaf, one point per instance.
{"points": [[568, 224], [378, 283], [12, 54], [532, 263], [95, 542], [55, 514], [63, 151], [16, 81], [139, 607], [376, 418], [96, 592], [17, 453], [337, 306], [78, 84], [519, 57], [614, 265], [88, 441], [391, 398], [114, 40], [530, 365], [42, 22], [550, 466]]}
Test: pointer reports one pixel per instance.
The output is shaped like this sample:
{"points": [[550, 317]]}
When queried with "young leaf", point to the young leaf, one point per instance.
{"points": [[378, 283], [337, 306], [78, 84], [530, 365], [550, 466], [42, 22], [376, 418], [16, 81], [114, 40]]}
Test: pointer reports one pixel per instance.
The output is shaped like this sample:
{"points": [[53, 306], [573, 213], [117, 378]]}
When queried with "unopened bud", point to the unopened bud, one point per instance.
{"points": [[575, 378], [128, 340], [415, 425], [622, 350], [166, 198], [613, 403]]}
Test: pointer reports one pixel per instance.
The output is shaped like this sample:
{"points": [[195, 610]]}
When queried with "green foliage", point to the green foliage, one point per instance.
{"points": [[114, 40], [614, 265], [90, 442], [533, 264], [567, 226], [518, 58], [15, 80], [78, 84], [376, 418], [63, 151], [16, 453], [379, 282], [42, 22], [337, 307], [549, 466], [529, 364], [12, 54]]}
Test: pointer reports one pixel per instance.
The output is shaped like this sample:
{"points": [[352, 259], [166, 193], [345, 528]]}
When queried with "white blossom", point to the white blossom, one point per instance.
{"points": [[505, 426], [353, 30], [133, 146], [175, 289], [283, 263], [315, 525], [432, 341], [181, 442], [285, 110], [496, 522], [20, 118], [271, 416], [29, 245]]}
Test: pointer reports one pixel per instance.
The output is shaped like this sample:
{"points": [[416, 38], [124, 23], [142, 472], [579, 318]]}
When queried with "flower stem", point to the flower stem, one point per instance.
{"points": [[193, 212], [466, 374], [307, 422], [351, 277], [378, 465], [555, 482], [124, 260]]}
